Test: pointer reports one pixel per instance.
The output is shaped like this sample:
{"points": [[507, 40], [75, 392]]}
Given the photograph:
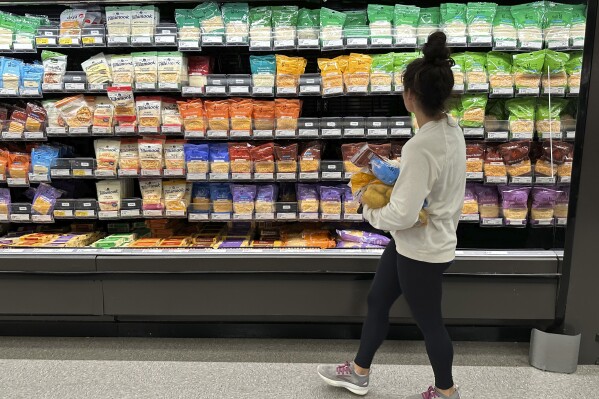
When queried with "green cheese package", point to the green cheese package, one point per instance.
{"points": [[308, 26], [458, 70], [554, 70], [473, 110], [356, 25], [499, 67], [453, 21], [527, 69], [548, 117], [454, 108], [211, 21], [495, 111], [381, 23], [400, 63], [331, 27], [521, 115], [574, 70], [428, 22], [480, 17], [505, 33], [284, 21], [236, 19], [188, 26], [529, 22], [578, 25], [260, 26], [475, 68], [558, 20], [405, 23], [381, 72]]}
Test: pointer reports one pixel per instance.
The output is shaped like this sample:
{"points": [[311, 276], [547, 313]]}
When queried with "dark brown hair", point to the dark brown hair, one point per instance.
{"points": [[430, 78]]}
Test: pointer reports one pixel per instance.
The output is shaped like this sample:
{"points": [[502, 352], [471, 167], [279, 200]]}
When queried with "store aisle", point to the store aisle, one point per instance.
{"points": [[147, 368]]}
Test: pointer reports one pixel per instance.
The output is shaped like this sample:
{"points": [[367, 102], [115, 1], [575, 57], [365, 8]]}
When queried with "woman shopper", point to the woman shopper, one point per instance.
{"points": [[433, 171]]}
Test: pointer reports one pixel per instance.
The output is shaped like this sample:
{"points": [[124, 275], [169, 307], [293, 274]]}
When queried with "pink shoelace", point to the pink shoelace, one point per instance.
{"points": [[431, 393], [344, 369]]}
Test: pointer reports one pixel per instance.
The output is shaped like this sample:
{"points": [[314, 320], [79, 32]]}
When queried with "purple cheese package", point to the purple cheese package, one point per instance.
{"points": [[364, 237]]}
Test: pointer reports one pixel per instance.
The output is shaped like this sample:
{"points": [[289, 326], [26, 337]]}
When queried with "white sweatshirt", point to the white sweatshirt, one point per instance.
{"points": [[433, 167]]}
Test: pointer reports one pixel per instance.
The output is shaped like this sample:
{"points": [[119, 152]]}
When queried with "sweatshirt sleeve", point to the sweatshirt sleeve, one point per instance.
{"points": [[419, 171]]}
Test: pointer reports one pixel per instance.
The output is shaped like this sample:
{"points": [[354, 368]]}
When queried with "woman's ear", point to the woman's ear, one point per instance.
{"points": [[408, 99]]}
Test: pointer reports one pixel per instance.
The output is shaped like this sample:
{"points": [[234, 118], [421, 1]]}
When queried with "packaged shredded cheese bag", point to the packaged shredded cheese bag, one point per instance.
{"points": [[236, 18], [473, 106], [405, 22], [578, 25], [150, 153], [480, 17], [151, 194], [121, 66], [174, 195], [76, 111], [574, 71], [55, 66], [260, 20], [71, 22], [555, 65], [149, 111], [504, 27], [381, 21], [129, 155], [174, 155], [529, 22], [118, 20], [170, 68], [428, 22], [107, 154], [124, 105], [188, 26], [331, 27], [528, 68], [499, 66], [521, 114], [109, 194], [146, 68], [144, 20], [97, 69]]}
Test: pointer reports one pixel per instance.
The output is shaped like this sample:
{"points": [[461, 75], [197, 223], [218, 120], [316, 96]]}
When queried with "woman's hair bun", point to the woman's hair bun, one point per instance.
{"points": [[435, 50]]}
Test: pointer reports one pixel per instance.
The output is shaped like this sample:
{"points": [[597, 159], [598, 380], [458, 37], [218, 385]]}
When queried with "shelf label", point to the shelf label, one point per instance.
{"points": [[194, 134], [355, 217], [241, 176], [60, 172], [286, 176], [506, 44], [63, 213], [331, 216], [220, 216], [74, 86], [219, 176], [522, 136], [239, 89], [20, 217], [264, 176], [218, 134], [216, 89], [265, 216], [108, 214], [173, 213], [492, 222], [312, 43], [128, 172], [529, 91], [308, 176], [474, 175], [151, 172], [17, 181], [353, 132], [521, 180], [174, 172], [130, 213], [105, 173], [284, 133], [263, 133], [331, 175], [240, 134], [198, 216], [308, 216], [474, 131], [152, 212], [357, 41], [545, 180], [497, 135], [401, 132], [196, 176], [470, 218], [141, 39], [331, 132]]}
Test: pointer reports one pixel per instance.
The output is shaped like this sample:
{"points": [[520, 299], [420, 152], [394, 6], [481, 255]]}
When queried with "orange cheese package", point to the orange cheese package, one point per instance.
{"points": [[18, 165], [287, 113], [217, 113], [240, 112], [192, 113], [263, 113]]}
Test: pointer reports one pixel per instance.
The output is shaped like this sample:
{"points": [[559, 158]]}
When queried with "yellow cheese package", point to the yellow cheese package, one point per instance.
{"points": [[97, 69], [357, 76], [149, 112], [122, 70], [174, 155], [150, 153], [129, 155], [174, 195]]}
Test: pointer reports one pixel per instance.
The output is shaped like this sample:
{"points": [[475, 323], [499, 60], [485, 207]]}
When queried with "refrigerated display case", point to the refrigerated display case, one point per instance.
{"points": [[190, 161]]}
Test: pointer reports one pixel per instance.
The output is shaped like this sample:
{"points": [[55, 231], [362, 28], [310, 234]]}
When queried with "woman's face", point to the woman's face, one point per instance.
{"points": [[408, 100]]}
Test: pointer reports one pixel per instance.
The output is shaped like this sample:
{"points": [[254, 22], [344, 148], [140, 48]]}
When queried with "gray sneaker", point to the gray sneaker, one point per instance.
{"points": [[432, 393], [344, 376]]}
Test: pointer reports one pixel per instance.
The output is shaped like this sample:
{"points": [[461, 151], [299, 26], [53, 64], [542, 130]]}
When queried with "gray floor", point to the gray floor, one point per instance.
{"points": [[261, 369]]}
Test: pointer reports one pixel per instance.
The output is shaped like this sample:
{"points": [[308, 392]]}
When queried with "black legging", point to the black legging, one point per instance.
{"points": [[420, 282]]}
